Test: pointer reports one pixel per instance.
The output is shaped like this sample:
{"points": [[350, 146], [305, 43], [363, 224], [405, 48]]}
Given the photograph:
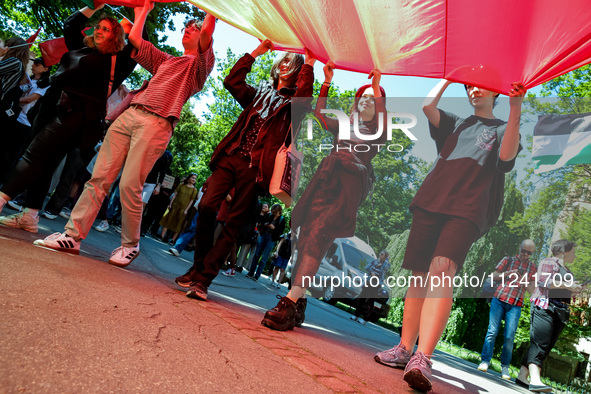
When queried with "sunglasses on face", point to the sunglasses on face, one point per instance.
{"points": [[527, 252], [103, 28]]}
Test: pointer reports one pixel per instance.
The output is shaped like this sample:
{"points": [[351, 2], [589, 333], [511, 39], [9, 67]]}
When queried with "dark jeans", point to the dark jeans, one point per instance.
{"points": [[34, 171], [545, 327], [366, 300], [229, 172], [264, 246], [74, 164], [13, 146]]}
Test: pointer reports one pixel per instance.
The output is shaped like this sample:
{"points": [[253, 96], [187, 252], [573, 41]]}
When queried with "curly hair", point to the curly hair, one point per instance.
{"points": [[115, 43], [21, 53]]}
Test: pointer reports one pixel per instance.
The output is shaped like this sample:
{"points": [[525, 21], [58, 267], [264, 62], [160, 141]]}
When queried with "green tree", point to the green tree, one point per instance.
{"points": [[25, 17]]}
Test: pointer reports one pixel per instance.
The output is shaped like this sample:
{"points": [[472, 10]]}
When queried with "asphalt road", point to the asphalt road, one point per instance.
{"points": [[76, 323]]}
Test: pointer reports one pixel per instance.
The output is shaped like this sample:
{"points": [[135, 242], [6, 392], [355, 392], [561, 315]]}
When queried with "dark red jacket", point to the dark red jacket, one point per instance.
{"points": [[274, 130]]}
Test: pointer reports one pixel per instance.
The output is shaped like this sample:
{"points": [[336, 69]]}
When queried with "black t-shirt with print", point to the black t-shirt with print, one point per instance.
{"points": [[468, 177]]}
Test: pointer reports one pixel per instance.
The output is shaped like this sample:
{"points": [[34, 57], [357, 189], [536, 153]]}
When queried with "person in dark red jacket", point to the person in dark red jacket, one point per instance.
{"points": [[245, 157]]}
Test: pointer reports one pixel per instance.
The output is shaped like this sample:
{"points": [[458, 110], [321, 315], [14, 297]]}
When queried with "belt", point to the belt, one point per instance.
{"points": [[143, 108]]}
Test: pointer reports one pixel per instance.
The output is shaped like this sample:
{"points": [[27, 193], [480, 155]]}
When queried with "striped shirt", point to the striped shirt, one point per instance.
{"points": [[174, 81], [11, 72]]}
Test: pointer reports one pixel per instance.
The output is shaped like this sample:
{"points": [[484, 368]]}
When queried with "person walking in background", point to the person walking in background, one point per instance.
{"points": [[140, 135], [282, 256], [459, 200], [269, 233], [187, 236], [506, 304], [245, 157], [378, 269], [550, 310], [183, 197]]}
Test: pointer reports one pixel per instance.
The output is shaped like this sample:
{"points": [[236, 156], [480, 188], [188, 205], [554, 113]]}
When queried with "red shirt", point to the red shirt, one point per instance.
{"points": [[174, 81], [513, 290]]}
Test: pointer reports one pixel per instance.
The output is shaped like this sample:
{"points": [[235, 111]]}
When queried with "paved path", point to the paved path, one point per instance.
{"points": [[78, 324]]}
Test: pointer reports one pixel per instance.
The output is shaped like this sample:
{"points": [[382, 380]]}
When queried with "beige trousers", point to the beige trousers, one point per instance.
{"points": [[134, 141]]}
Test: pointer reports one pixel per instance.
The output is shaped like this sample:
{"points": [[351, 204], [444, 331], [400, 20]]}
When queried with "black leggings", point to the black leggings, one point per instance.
{"points": [[545, 327], [61, 135]]}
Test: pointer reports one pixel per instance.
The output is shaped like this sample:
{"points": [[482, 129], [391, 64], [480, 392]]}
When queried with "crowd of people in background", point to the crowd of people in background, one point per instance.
{"points": [[58, 144]]}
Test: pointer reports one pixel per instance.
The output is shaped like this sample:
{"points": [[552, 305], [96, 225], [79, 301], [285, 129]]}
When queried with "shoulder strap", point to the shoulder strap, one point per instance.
{"points": [[112, 77]]}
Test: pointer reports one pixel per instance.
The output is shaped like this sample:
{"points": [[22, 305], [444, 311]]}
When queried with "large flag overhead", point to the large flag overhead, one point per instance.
{"points": [[561, 140], [489, 43]]}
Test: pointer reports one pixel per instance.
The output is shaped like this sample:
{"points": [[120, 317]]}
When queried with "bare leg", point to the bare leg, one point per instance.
{"points": [[413, 304], [436, 305]]}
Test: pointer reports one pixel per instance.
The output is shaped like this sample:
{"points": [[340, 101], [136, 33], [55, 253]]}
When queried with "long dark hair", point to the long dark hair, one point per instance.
{"points": [[295, 64], [21, 53], [115, 43]]}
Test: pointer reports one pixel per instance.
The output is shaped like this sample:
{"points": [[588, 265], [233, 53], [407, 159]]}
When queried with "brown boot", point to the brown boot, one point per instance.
{"points": [[300, 315], [282, 317]]}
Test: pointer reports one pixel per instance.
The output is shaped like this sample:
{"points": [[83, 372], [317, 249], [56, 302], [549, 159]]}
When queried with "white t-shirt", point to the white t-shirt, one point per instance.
{"points": [[25, 108]]}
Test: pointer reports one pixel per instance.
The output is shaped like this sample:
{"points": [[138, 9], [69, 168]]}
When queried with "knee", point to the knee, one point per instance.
{"points": [[442, 265]]}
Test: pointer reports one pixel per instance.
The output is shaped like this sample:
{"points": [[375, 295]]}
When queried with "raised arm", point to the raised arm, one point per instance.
{"points": [[88, 12], [430, 104], [235, 82], [332, 125], [74, 24], [141, 13], [510, 143], [206, 32]]}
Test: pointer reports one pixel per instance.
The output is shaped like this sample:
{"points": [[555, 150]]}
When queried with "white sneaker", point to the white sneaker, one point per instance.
{"points": [[505, 373], [61, 242], [65, 213], [174, 252], [229, 272], [102, 226], [483, 366], [14, 205], [122, 256], [21, 220], [48, 215]]}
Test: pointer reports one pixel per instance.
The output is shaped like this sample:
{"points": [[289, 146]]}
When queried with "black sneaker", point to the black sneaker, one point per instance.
{"points": [[186, 279], [282, 317], [300, 314], [197, 291]]}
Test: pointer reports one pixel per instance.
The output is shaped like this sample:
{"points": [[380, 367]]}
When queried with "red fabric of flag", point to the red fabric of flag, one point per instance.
{"points": [[53, 50], [32, 39]]}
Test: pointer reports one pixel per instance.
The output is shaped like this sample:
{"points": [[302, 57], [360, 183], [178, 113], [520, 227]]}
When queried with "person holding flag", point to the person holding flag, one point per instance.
{"points": [[140, 135], [460, 199], [93, 67]]}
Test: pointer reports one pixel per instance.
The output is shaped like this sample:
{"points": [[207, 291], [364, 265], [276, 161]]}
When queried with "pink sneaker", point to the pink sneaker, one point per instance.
{"points": [[396, 357], [418, 372]]}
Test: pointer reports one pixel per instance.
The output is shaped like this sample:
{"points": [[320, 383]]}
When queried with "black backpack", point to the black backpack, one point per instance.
{"points": [[10, 107]]}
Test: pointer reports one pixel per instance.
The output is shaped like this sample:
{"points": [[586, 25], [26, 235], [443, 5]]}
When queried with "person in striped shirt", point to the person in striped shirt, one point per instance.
{"points": [[140, 135]]}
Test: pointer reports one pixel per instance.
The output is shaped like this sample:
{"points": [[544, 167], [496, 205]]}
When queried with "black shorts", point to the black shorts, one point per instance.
{"points": [[436, 234]]}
